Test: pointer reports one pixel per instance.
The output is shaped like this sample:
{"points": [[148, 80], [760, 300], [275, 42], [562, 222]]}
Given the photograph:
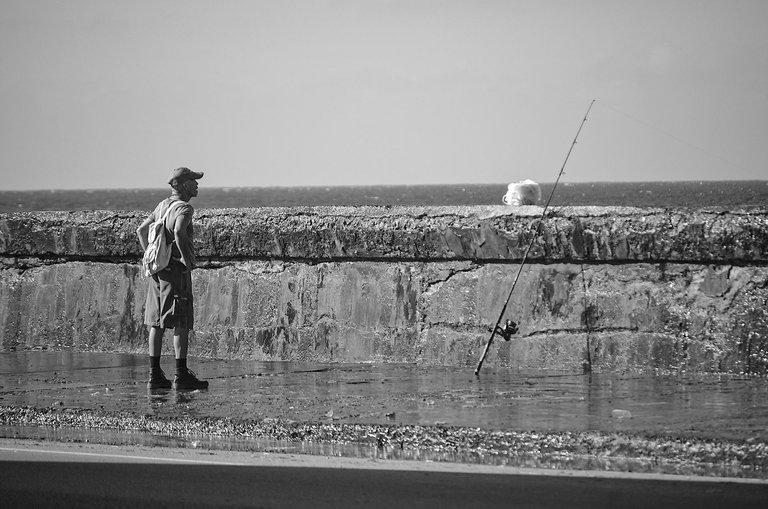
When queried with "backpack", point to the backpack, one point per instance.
{"points": [[158, 252]]}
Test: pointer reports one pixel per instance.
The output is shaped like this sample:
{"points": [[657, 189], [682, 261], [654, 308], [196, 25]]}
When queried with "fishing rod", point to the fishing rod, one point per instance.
{"points": [[510, 327]]}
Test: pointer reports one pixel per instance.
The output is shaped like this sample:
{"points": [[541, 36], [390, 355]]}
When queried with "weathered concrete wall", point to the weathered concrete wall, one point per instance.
{"points": [[608, 288]]}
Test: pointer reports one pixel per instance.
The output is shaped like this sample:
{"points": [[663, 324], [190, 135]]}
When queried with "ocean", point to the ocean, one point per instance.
{"points": [[724, 194]]}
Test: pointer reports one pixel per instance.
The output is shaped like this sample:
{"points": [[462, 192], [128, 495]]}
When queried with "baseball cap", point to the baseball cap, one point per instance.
{"points": [[182, 174]]}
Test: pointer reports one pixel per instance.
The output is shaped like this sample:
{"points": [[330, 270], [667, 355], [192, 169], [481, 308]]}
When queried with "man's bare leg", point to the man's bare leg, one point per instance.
{"points": [[184, 378], [155, 341], [157, 378], [180, 342]]}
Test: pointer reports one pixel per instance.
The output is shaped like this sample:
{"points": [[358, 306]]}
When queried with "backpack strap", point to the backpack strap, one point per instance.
{"points": [[168, 210], [173, 204]]}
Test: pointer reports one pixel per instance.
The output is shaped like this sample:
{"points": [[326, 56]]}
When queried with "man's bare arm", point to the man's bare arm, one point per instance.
{"points": [[143, 232], [183, 241]]}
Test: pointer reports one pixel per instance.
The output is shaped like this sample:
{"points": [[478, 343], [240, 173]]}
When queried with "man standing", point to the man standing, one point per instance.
{"points": [[169, 294]]}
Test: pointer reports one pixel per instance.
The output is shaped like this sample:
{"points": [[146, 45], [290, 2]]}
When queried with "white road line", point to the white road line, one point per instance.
{"points": [[154, 459], [334, 462]]}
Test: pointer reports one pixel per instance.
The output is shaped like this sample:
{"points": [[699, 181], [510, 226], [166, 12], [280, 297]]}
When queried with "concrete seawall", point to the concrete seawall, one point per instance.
{"points": [[611, 289]]}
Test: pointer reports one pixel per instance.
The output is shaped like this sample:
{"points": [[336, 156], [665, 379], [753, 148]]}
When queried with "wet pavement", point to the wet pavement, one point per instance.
{"points": [[704, 408]]}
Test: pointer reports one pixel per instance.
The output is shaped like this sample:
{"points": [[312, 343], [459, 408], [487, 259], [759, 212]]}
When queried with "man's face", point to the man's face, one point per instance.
{"points": [[191, 187]]}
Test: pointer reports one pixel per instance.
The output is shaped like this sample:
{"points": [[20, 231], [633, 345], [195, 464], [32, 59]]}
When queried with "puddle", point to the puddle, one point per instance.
{"points": [[703, 405], [697, 425]]}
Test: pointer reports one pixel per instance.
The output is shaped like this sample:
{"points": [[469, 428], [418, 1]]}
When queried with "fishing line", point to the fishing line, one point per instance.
{"points": [[510, 327], [676, 138]]}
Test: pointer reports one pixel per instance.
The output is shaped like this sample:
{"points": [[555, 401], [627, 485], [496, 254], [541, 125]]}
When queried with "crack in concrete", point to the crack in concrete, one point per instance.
{"points": [[578, 330], [453, 271]]}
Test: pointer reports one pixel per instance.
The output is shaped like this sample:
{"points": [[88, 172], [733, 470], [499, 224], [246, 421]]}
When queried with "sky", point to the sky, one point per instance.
{"points": [[115, 94]]}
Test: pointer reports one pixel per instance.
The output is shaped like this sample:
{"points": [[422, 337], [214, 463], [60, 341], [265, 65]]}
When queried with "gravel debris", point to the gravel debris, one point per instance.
{"points": [[557, 450]]}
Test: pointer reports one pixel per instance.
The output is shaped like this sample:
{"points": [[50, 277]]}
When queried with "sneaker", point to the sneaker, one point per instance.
{"points": [[158, 381], [188, 381]]}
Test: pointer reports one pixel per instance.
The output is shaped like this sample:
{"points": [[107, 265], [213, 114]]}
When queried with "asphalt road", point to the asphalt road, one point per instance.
{"points": [[83, 475]]}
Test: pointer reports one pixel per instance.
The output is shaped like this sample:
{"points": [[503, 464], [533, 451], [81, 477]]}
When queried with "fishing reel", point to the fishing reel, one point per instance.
{"points": [[506, 330]]}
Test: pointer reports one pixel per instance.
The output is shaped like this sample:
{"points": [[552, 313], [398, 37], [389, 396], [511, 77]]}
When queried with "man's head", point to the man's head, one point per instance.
{"points": [[184, 181]]}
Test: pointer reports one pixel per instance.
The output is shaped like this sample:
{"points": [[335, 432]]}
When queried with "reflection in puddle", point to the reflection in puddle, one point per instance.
{"points": [[704, 407], [714, 405]]}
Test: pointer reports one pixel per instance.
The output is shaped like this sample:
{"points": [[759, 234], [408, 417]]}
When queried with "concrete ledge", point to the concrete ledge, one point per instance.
{"points": [[482, 233], [614, 289]]}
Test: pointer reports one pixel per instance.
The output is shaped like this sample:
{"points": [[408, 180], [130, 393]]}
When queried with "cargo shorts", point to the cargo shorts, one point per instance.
{"points": [[169, 298]]}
